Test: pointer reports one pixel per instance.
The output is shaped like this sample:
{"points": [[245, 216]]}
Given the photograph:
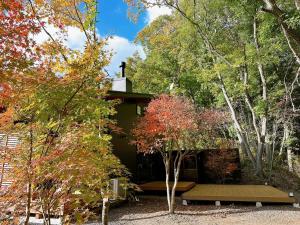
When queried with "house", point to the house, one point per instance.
{"points": [[145, 168], [132, 105]]}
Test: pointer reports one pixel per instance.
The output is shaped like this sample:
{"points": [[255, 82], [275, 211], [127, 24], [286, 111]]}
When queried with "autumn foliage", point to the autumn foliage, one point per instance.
{"points": [[174, 123], [221, 164], [53, 98], [16, 29], [173, 127], [167, 124], [170, 128]]}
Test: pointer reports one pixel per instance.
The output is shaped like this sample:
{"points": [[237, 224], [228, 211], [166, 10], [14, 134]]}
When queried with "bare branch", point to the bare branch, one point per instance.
{"points": [[81, 23], [45, 30]]}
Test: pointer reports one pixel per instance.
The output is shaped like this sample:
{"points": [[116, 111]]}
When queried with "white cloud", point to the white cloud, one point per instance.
{"points": [[156, 11], [74, 37], [122, 49]]}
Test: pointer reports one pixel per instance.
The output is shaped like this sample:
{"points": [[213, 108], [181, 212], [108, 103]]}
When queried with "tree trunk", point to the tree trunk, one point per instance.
{"points": [[293, 46], [176, 176], [259, 154], [285, 134], [167, 170], [44, 211], [272, 150], [28, 205], [240, 134], [297, 4], [290, 159], [262, 141], [292, 36], [268, 149], [29, 184], [105, 208], [49, 214]]}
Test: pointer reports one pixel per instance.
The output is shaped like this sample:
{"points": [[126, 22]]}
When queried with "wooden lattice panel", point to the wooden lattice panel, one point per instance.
{"points": [[7, 143]]}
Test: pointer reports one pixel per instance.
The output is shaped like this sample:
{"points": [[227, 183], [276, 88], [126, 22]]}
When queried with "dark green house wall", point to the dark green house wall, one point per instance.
{"points": [[126, 118]]}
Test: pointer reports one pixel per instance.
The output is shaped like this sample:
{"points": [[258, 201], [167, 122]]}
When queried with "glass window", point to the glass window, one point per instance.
{"points": [[138, 110]]}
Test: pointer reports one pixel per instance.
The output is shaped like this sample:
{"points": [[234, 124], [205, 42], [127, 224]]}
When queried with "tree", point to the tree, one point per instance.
{"points": [[288, 19], [168, 127], [221, 163], [57, 106], [170, 64], [233, 55], [17, 47]]}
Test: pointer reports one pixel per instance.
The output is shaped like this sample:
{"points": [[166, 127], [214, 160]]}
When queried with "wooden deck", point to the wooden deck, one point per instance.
{"points": [[161, 186], [241, 193]]}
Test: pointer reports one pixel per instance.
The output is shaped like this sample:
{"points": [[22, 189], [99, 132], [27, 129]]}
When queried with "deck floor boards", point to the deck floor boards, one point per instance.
{"points": [[243, 193], [161, 186]]}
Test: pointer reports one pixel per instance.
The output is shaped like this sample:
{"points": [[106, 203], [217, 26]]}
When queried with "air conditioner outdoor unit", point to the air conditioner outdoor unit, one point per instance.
{"points": [[118, 189]]}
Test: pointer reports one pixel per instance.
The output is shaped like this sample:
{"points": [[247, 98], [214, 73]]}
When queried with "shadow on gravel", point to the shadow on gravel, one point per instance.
{"points": [[157, 208]]}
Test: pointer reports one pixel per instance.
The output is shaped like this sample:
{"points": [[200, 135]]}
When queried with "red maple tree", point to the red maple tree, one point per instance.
{"points": [[17, 27], [169, 127]]}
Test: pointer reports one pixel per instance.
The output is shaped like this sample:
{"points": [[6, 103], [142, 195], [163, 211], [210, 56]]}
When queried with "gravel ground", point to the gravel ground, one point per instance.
{"points": [[153, 211]]}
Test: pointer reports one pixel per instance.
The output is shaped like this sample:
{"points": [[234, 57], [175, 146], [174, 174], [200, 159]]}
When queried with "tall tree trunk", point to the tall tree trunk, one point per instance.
{"points": [[263, 133], [105, 208], [289, 156], [285, 134], [44, 211], [28, 204], [259, 154], [258, 166], [268, 149], [49, 213], [240, 134], [29, 184], [270, 154], [290, 159]]}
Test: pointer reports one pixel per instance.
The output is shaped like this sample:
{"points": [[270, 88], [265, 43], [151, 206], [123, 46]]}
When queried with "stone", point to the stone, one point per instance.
{"points": [[258, 204], [218, 203]]}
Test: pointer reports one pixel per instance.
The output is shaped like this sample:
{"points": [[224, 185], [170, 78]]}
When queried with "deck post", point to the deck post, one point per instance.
{"points": [[184, 202], [296, 205], [218, 203], [258, 204]]}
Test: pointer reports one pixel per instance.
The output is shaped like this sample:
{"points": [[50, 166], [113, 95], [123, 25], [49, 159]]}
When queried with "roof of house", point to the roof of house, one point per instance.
{"points": [[129, 96]]}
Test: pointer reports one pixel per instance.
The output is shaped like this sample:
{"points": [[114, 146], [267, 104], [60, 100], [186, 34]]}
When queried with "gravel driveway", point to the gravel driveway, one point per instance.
{"points": [[153, 211]]}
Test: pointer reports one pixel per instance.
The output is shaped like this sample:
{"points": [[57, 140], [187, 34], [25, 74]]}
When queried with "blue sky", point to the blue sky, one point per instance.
{"points": [[113, 21]]}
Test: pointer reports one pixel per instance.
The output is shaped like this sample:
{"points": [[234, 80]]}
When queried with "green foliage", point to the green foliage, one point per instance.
{"points": [[226, 53]]}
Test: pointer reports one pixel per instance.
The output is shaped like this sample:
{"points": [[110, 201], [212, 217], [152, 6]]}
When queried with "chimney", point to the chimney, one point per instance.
{"points": [[122, 84], [123, 66]]}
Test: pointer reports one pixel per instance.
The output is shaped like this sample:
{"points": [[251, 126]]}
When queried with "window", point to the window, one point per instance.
{"points": [[139, 110]]}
